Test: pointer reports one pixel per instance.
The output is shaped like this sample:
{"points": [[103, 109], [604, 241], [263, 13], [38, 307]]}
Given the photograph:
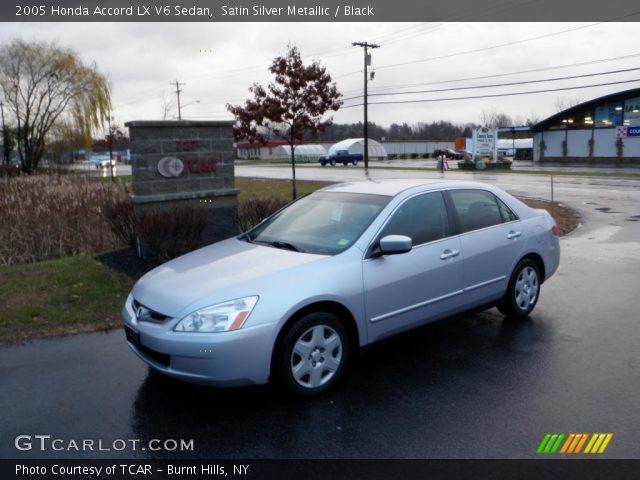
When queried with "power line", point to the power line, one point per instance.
{"points": [[495, 94], [492, 47], [409, 92], [497, 75]]}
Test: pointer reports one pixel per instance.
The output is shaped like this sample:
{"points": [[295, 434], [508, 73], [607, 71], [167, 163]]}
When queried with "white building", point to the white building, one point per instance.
{"points": [[603, 130], [356, 145]]}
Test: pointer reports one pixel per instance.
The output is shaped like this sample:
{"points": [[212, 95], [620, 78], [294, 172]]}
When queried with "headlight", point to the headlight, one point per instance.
{"points": [[222, 317]]}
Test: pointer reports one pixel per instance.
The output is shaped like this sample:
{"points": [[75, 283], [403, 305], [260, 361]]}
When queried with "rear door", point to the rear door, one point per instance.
{"points": [[491, 239]]}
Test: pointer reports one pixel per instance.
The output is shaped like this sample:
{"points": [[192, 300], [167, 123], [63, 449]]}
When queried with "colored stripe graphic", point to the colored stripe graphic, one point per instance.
{"points": [[598, 443], [551, 443]]}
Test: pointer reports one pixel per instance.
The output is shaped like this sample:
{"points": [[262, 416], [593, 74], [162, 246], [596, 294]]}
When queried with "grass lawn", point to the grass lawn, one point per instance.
{"points": [[62, 296], [79, 294], [265, 187]]}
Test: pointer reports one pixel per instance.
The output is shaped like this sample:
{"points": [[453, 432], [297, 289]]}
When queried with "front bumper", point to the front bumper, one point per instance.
{"points": [[223, 359]]}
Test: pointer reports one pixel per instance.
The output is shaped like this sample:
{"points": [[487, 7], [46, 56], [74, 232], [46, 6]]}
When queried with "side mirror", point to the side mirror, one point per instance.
{"points": [[394, 244]]}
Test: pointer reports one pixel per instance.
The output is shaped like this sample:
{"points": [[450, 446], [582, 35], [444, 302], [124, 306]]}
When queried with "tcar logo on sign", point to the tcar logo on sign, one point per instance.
{"points": [[170, 167], [574, 442]]}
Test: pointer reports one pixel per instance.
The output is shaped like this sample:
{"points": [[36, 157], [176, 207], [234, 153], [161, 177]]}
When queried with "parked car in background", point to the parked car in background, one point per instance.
{"points": [[292, 299], [449, 153], [100, 161], [341, 156]]}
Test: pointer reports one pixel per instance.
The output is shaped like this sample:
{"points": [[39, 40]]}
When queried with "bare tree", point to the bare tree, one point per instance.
{"points": [[493, 119], [565, 103], [43, 84], [294, 103], [168, 105]]}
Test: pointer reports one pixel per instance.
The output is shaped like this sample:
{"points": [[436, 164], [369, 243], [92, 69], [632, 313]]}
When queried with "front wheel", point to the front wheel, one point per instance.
{"points": [[313, 354], [523, 291], [333, 163], [354, 162]]}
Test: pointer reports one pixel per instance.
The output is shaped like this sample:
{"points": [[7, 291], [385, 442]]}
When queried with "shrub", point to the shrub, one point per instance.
{"points": [[9, 170], [542, 146], [118, 212], [169, 233], [254, 210], [619, 147], [46, 216]]}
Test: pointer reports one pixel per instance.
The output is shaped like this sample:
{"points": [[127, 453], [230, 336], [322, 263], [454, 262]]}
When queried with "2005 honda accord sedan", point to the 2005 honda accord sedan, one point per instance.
{"points": [[338, 269]]}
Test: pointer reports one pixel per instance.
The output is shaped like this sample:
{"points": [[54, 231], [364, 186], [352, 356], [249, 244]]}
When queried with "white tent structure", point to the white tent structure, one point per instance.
{"points": [[356, 145], [304, 151]]}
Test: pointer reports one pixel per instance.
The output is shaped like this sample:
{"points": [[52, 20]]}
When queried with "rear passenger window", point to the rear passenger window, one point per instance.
{"points": [[422, 218], [507, 213], [476, 209]]}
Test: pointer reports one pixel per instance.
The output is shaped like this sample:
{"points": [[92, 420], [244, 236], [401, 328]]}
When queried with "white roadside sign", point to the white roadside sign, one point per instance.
{"points": [[485, 142]]}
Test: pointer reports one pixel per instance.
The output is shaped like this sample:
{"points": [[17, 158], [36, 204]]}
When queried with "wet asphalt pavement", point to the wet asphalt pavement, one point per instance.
{"points": [[477, 387]]}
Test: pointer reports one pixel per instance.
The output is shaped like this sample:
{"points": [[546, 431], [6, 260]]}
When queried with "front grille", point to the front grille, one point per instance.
{"points": [[148, 315]]}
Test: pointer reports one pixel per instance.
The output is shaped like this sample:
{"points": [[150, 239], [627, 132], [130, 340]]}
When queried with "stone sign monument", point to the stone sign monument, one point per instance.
{"points": [[180, 165]]}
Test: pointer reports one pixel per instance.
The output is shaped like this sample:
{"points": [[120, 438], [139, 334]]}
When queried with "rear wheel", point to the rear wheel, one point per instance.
{"points": [[523, 290], [324, 164], [313, 354]]}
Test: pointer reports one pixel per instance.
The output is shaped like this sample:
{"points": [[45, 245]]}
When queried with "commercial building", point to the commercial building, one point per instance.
{"points": [[603, 130]]}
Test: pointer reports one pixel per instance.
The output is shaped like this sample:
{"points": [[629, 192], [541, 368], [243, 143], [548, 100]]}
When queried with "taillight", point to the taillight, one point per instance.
{"points": [[554, 229]]}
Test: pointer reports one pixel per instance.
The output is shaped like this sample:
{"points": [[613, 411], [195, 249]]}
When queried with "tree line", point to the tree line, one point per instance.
{"points": [[435, 131]]}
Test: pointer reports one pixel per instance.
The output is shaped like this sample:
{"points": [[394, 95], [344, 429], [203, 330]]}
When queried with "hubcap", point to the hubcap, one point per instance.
{"points": [[526, 288], [316, 356]]}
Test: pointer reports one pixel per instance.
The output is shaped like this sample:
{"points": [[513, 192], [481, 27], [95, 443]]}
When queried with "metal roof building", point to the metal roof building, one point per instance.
{"points": [[602, 130]]}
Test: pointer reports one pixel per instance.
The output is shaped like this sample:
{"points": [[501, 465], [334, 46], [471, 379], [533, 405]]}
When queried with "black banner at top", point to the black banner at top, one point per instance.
{"points": [[318, 10]]}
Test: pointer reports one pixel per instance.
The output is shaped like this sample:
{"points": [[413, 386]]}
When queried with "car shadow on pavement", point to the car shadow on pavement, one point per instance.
{"points": [[423, 372]]}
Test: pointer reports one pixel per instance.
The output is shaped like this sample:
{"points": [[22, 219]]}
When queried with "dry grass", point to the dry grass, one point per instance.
{"points": [[50, 216]]}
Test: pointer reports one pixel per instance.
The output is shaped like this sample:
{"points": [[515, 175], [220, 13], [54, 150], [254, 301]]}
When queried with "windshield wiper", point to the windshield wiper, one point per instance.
{"points": [[281, 245]]}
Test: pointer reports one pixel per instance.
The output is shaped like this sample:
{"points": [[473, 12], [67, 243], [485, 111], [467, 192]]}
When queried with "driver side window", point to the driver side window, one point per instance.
{"points": [[422, 218]]}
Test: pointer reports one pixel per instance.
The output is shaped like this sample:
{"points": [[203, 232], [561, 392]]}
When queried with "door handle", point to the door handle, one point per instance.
{"points": [[449, 254], [513, 234]]}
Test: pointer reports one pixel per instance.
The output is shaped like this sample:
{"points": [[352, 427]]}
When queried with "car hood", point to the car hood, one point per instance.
{"points": [[202, 274]]}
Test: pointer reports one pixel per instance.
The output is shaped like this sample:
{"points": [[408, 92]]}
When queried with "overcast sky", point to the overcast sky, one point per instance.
{"points": [[217, 62]]}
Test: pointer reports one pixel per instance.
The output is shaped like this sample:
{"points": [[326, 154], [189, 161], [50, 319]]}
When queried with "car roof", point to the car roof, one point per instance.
{"points": [[392, 187]]}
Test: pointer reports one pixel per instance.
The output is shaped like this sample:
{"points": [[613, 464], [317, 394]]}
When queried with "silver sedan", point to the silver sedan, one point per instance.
{"points": [[341, 268]]}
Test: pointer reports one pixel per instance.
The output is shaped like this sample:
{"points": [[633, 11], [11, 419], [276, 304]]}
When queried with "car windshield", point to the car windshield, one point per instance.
{"points": [[324, 223]]}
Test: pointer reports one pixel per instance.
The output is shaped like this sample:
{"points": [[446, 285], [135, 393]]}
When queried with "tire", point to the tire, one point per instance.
{"points": [[313, 354], [344, 163], [354, 162], [324, 164], [333, 163], [523, 291]]}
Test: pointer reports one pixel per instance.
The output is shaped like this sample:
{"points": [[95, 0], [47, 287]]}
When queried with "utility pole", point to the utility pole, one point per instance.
{"points": [[110, 143], [367, 61], [178, 92]]}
